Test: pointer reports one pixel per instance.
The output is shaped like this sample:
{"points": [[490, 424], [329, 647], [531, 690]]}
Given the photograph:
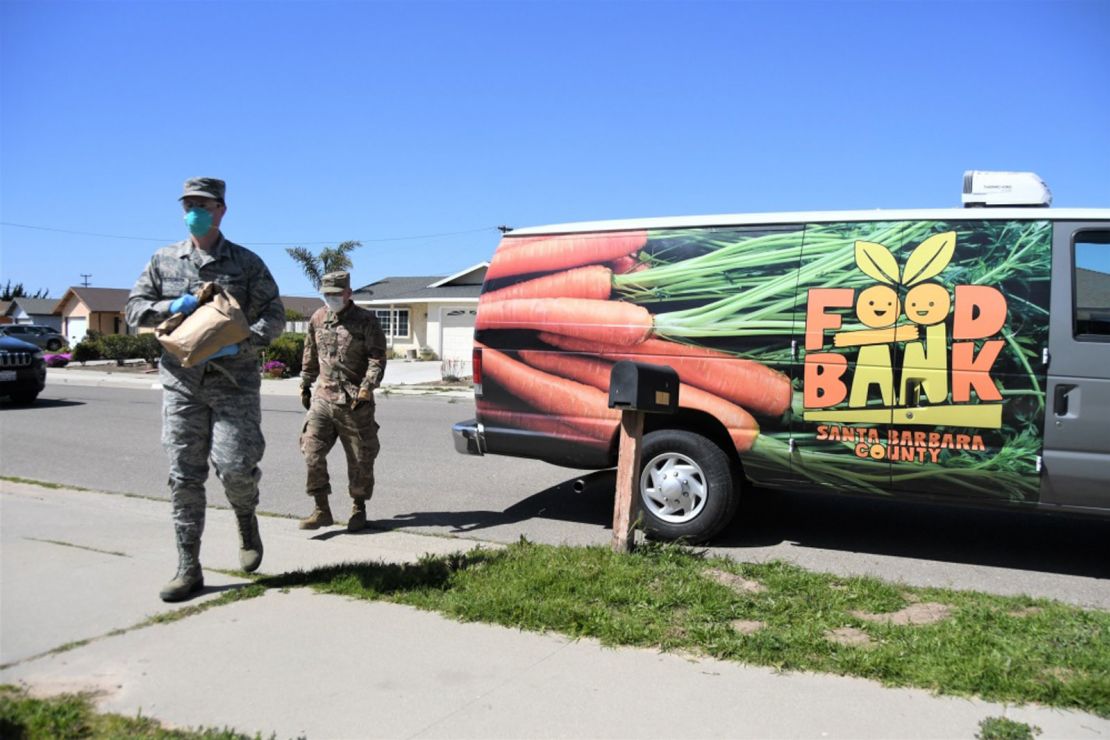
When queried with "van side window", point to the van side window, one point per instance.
{"points": [[1092, 286]]}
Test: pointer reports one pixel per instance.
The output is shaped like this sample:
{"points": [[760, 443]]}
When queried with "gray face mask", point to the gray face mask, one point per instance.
{"points": [[335, 303]]}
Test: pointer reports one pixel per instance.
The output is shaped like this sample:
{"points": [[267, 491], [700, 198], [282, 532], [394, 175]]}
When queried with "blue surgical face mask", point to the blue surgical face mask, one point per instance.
{"points": [[335, 303], [199, 221]]}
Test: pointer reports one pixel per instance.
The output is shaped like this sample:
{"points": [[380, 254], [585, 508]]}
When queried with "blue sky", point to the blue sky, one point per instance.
{"points": [[419, 127]]}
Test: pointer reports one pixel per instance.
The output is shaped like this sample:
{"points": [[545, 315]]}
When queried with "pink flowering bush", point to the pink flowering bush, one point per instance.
{"points": [[58, 360], [274, 369]]}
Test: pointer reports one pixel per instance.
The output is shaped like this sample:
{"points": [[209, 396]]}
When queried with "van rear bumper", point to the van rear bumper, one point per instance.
{"points": [[468, 437]]}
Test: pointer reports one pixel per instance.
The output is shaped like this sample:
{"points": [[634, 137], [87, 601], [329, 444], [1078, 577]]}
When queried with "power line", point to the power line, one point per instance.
{"points": [[84, 233], [255, 244]]}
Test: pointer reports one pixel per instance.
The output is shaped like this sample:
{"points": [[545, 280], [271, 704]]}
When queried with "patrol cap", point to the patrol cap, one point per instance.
{"points": [[335, 282], [204, 187]]}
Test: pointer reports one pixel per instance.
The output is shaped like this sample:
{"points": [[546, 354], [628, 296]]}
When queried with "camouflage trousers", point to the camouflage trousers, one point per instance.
{"points": [[327, 421], [210, 416]]}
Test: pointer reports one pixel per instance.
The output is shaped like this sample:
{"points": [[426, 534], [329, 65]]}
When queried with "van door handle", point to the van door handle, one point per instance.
{"points": [[1060, 403]]}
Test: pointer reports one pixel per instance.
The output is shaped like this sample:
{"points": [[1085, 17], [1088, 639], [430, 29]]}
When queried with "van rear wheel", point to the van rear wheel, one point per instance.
{"points": [[688, 486]]}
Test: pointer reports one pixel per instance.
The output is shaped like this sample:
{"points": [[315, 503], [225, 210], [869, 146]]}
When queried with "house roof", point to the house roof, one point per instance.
{"points": [[463, 285], [473, 275], [31, 306], [111, 300], [1092, 287], [302, 305]]}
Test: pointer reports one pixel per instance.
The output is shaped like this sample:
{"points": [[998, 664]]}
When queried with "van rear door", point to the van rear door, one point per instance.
{"points": [[1077, 427]]}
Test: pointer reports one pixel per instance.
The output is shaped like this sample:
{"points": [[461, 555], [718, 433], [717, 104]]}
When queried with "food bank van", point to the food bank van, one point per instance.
{"points": [[959, 354]]}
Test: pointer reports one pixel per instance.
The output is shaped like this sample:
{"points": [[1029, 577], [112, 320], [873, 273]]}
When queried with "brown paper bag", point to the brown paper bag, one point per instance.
{"points": [[217, 322]]}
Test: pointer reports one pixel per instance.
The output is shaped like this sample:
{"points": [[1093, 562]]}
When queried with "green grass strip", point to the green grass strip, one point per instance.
{"points": [[61, 543], [44, 484], [1001, 728], [1006, 649], [75, 716]]}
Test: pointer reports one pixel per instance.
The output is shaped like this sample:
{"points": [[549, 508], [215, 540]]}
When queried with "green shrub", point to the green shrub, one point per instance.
{"points": [[87, 349], [149, 348], [288, 349], [119, 347]]}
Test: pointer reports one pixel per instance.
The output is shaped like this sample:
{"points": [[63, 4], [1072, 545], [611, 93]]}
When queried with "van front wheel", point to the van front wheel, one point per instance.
{"points": [[687, 487]]}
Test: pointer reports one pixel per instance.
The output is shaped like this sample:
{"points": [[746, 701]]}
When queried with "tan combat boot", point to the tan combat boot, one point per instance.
{"points": [[189, 579], [320, 516], [250, 542], [358, 516]]}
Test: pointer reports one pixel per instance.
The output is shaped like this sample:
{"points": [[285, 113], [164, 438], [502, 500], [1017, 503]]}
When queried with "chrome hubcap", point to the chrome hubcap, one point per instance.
{"points": [[673, 488]]}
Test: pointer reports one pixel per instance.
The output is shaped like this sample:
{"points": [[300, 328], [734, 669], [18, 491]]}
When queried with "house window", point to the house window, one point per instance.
{"points": [[1092, 286], [386, 317]]}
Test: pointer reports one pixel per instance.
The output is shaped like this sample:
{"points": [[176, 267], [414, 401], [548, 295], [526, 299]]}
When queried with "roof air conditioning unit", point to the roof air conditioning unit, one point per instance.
{"points": [[985, 189]]}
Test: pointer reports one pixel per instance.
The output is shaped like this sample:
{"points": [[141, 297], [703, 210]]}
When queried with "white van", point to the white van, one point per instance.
{"points": [[958, 354]]}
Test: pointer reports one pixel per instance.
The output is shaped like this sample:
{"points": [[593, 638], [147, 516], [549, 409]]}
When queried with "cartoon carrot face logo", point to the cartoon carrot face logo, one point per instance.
{"points": [[928, 303], [878, 307]]}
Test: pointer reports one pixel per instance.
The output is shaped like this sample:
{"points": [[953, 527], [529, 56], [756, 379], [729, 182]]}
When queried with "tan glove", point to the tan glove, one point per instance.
{"points": [[364, 394]]}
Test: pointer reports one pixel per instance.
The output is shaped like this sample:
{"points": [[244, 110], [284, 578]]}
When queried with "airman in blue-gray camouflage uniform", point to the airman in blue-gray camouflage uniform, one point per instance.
{"points": [[344, 355], [211, 411]]}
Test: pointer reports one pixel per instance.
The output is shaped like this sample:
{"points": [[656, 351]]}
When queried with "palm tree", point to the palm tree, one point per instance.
{"points": [[330, 259]]}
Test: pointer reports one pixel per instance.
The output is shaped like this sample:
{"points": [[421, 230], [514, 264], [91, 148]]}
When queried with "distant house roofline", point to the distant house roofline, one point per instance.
{"points": [[473, 268], [98, 300], [394, 289], [39, 306], [418, 299]]}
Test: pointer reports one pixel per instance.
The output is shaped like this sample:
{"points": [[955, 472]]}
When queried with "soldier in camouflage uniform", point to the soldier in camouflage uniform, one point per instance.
{"points": [[344, 354], [210, 411]]}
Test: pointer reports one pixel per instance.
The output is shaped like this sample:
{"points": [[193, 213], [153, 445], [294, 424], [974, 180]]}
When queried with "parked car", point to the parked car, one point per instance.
{"points": [[22, 370], [43, 336]]}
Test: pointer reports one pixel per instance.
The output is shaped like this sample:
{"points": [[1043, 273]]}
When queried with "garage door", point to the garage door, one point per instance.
{"points": [[457, 341], [76, 328]]}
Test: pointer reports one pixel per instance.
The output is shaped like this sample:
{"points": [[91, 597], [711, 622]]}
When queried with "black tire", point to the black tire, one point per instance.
{"points": [[24, 399], [54, 345], [689, 487]]}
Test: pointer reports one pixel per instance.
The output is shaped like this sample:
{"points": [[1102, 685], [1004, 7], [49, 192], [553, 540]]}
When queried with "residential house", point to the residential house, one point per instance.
{"points": [[97, 309], [431, 315], [301, 306], [38, 311]]}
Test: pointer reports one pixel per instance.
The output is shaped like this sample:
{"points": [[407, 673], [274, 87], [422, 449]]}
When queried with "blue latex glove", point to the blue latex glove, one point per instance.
{"points": [[228, 351], [185, 304]]}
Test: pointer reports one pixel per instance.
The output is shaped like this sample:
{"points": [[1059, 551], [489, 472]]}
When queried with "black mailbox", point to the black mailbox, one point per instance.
{"points": [[638, 386]]}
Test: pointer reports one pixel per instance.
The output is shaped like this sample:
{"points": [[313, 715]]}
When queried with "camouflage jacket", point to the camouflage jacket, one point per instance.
{"points": [[181, 268], [345, 352]]}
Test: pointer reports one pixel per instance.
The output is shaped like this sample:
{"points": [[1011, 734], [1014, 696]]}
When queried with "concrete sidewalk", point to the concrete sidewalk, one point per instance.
{"points": [[85, 568], [401, 376]]}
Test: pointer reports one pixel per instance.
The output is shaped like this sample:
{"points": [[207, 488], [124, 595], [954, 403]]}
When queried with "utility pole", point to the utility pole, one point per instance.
{"points": [[86, 276]]}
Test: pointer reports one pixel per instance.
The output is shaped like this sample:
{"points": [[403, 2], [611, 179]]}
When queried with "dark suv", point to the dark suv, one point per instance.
{"points": [[43, 336], [22, 370]]}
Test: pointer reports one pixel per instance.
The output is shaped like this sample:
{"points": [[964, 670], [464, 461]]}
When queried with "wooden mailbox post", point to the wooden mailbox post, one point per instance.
{"points": [[636, 388]]}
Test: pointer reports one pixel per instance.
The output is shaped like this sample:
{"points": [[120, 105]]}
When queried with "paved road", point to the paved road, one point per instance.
{"points": [[108, 439]]}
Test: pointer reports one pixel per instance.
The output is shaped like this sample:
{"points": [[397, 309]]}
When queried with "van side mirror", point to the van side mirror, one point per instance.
{"points": [[638, 386]]}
